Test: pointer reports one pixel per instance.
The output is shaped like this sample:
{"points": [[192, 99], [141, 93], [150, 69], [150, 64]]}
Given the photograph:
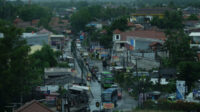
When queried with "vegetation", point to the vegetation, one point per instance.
{"points": [[193, 17], [171, 20], [166, 105], [17, 75], [189, 72], [178, 45], [20, 72], [10, 11], [93, 13]]}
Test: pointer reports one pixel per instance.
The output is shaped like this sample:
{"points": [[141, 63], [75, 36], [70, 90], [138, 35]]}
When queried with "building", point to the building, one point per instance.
{"points": [[147, 14], [195, 43], [33, 106], [190, 10], [165, 75], [57, 42], [56, 72], [136, 40], [36, 38]]}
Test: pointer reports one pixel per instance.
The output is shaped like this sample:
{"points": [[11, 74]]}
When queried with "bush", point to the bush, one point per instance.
{"points": [[164, 104], [149, 104]]}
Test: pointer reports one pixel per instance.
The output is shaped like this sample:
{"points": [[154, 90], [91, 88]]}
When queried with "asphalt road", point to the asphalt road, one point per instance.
{"points": [[127, 103]]}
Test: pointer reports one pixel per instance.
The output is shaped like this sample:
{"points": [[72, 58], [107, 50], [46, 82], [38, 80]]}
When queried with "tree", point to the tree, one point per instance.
{"points": [[16, 77], [189, 72], [30, 29], [120, 24], [178, 46], [193, 17], [46, 57], [171, 20], [80, 19]]}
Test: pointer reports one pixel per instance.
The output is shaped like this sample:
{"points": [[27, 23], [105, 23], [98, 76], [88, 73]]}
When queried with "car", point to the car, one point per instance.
{"points": [[119, 90]]}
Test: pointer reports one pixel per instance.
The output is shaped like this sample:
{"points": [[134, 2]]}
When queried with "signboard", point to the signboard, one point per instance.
{"points": [[132, 44], [180, 90], [108, 105]]}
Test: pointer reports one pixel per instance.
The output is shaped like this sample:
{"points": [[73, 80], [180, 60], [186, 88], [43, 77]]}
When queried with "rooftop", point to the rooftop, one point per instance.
{"points": [[152, 11], [151, 34], [117, 31], [33, 106], [57, 36], [194, 34]]}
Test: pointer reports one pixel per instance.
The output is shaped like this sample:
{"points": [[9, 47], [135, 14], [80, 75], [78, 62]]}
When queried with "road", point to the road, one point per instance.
{"points": [[127, 103]]}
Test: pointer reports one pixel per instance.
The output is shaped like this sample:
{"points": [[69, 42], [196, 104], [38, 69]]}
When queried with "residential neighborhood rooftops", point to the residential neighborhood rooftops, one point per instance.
{"points": [[33, 106], [151, 11], [117, 31], [144, 34]]}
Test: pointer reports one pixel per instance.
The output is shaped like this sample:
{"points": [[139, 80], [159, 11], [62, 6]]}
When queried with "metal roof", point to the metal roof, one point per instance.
{"points": [[194, 34], [109, 90]]}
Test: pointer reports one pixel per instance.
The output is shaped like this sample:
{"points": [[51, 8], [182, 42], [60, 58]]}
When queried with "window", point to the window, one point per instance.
{"points": [[117, 37]]}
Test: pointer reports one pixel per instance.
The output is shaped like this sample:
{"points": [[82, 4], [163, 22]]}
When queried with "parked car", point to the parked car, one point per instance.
{"points": [[119, 91]]}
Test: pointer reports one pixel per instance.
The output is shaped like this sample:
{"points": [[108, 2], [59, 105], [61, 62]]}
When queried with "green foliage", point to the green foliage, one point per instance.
{"points": [[171, 20], [64, 64], [30, 12], [190, 72], [62, 91], [120, 24], [8, 11], [166, 105], [87, 14], [80, 19], [17, 76], [30, 29], [44, 58], [178, 45], [193, 17]]}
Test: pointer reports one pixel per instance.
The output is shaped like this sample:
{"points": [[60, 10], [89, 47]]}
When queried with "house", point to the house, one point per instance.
{"points": [[146, 14], [33, 106], [136, 39], [35, 22], [44, 31], [56, 72], [165, 75], [190, 10], [36, 38], [57, 41], [195, 39], [59, 25]]}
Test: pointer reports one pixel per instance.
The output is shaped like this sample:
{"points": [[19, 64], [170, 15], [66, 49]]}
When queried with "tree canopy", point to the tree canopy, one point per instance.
{"points": [[189, 72], [17, 76], [171, 20], [178, 46]]}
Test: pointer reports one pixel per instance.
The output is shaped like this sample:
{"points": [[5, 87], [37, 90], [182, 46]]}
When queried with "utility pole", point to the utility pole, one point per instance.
{"points": [[127, 58]]}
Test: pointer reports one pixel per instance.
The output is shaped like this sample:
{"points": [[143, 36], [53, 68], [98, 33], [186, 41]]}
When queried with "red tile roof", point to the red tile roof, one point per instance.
{"points": [[35, 21], [143, 34], [33, 106], [130, 24], [117, 31]]}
